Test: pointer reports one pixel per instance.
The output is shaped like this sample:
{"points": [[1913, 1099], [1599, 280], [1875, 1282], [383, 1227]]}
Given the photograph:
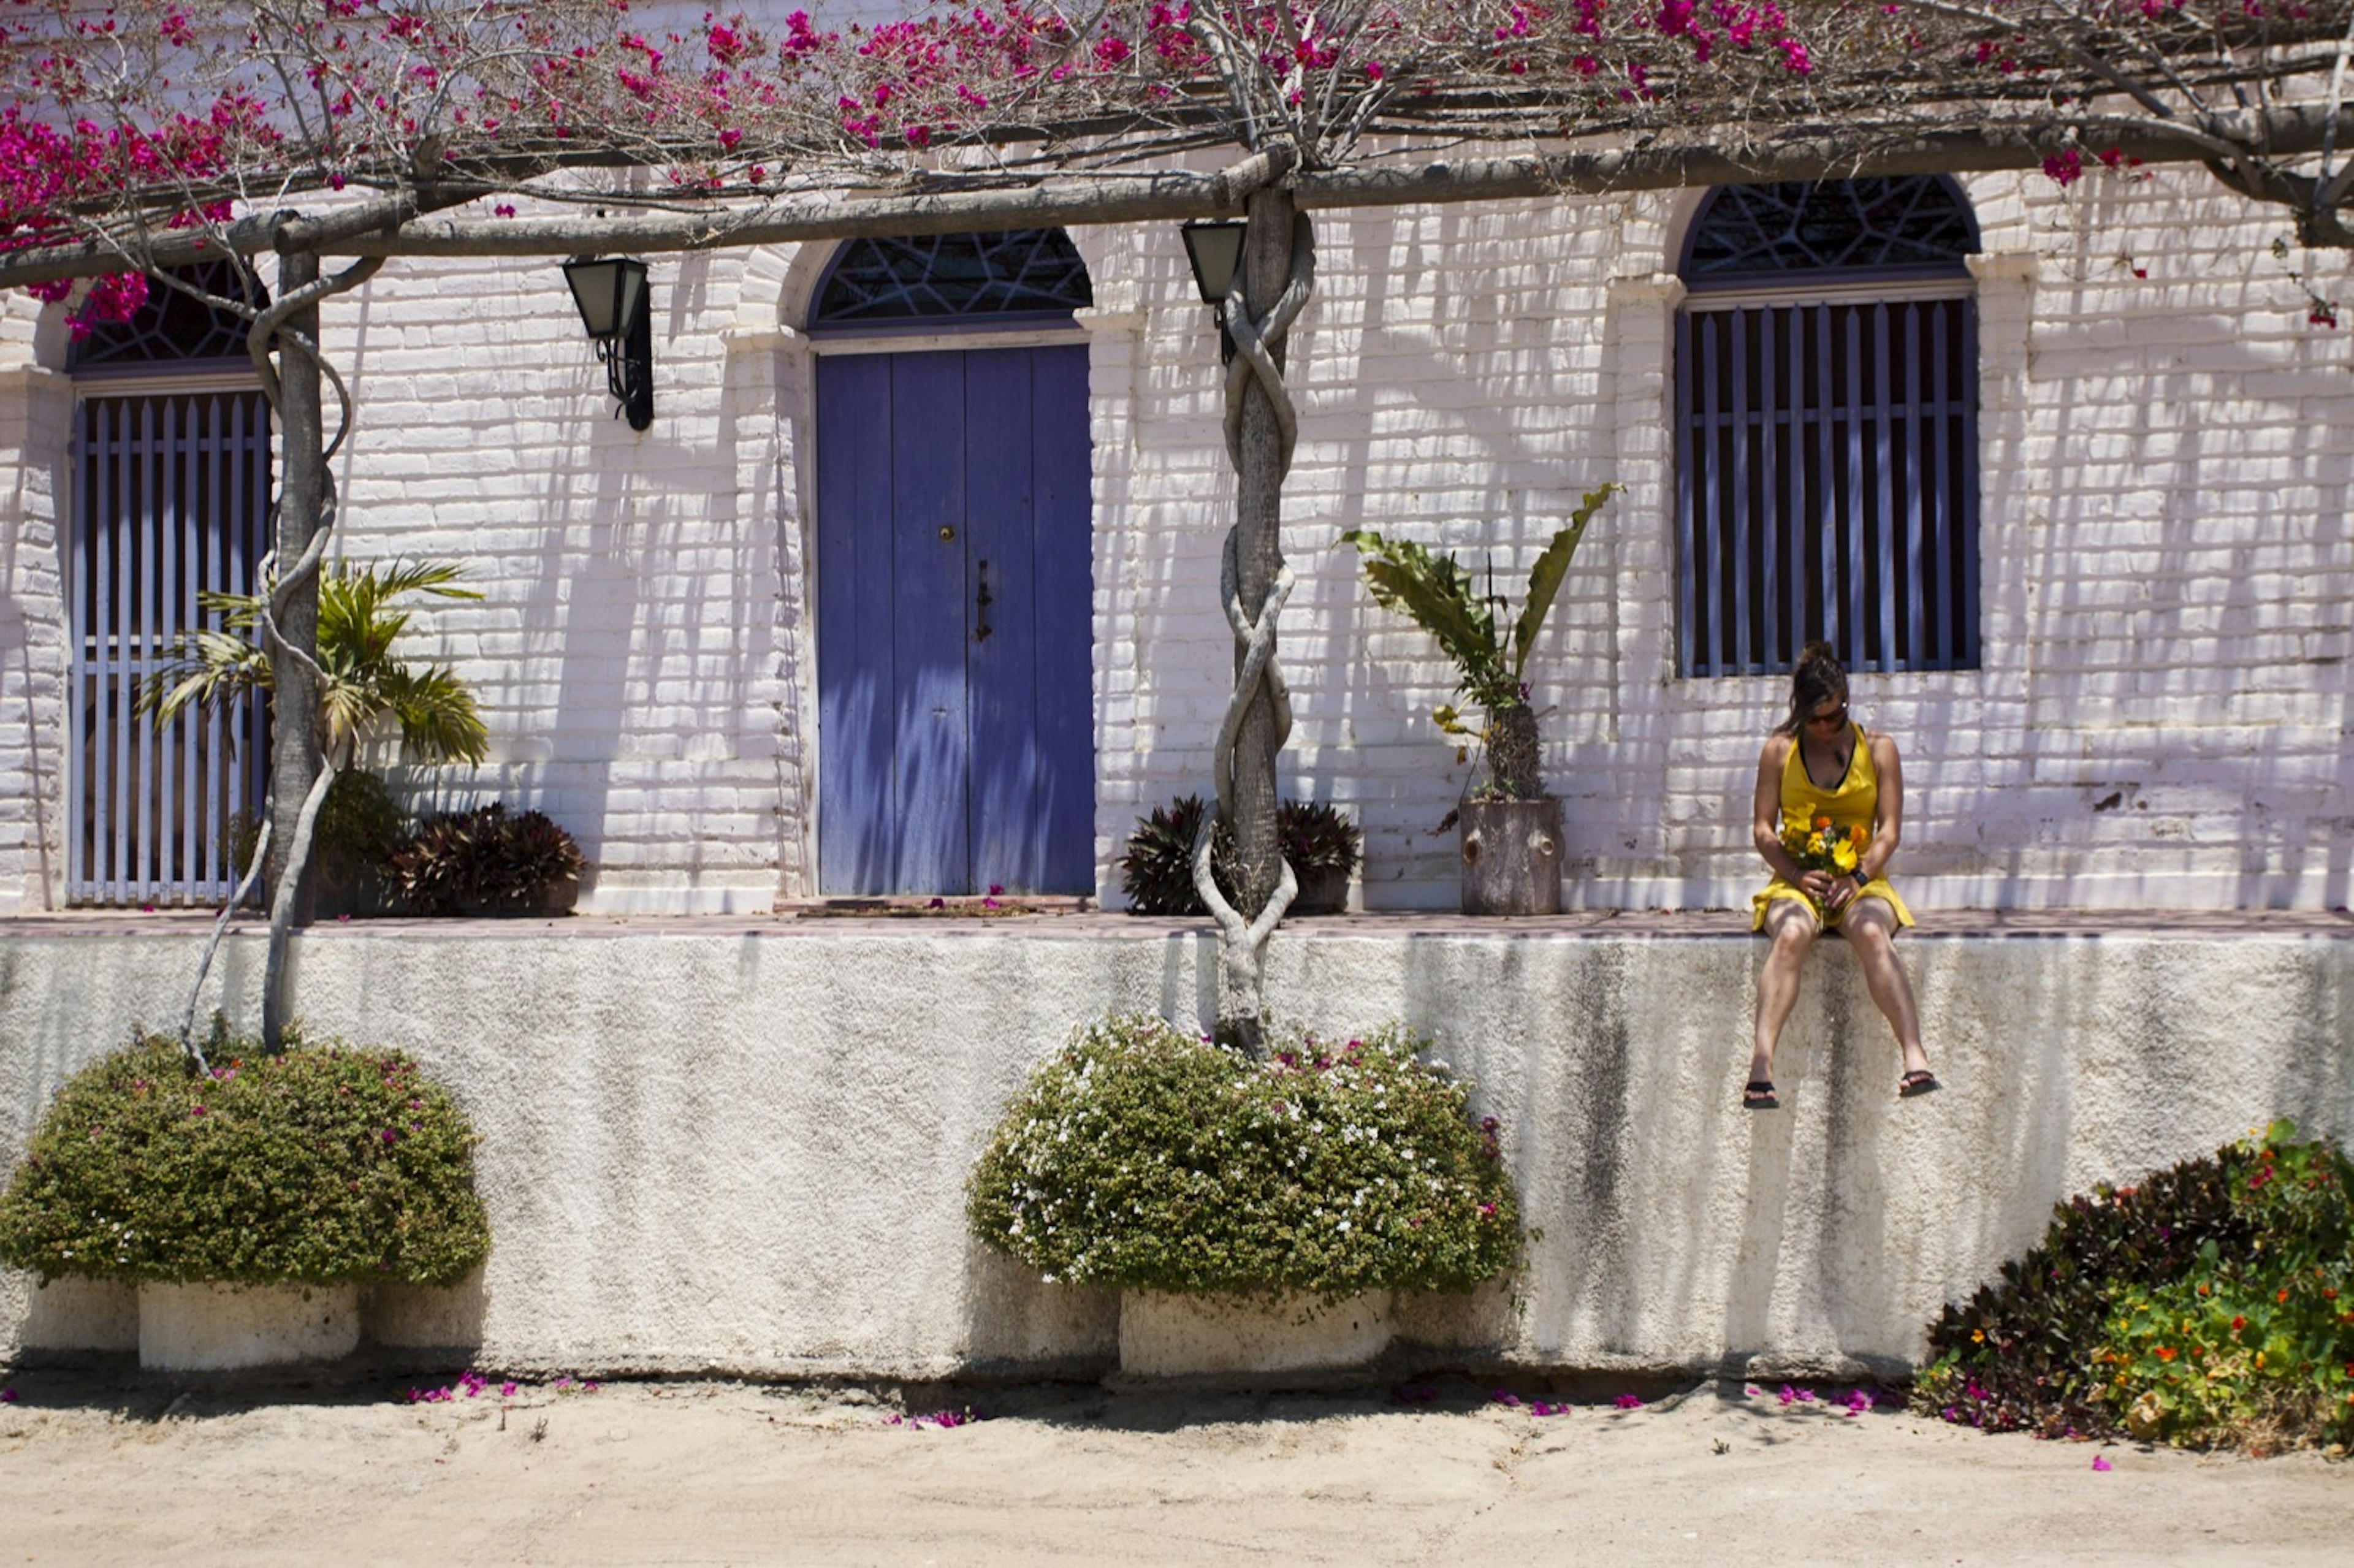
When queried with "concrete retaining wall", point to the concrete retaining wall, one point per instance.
{"points": [[745, 1151]]}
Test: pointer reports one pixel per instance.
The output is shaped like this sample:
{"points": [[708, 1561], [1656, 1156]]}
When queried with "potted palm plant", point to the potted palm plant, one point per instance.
{"points": [[362, 685], [1510, 830]]}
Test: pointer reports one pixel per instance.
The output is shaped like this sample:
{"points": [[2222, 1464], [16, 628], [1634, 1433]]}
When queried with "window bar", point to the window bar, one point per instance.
{"points": [[214, 540], [1739, 608], [154, 439], [1941, 608], [1794, 512], [1967, 394], [1825, 522], [1769, 413], [1687, 449], [172, 507], [252, 510], [118, 722], [1917, 399], [1884, 448], [1705, 561], [1850, 563], [79, 567]]}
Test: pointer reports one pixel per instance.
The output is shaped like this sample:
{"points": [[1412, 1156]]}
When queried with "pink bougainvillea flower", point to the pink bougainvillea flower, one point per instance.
{"points": [[1503, 1398], [2102, 1463], [8, 1396], [506, 1390], [1629, 1402]]}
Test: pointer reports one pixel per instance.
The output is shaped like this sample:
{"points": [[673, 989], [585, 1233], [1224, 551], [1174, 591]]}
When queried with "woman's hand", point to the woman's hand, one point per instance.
{"points": [[1823, 886], [1841, 892]]}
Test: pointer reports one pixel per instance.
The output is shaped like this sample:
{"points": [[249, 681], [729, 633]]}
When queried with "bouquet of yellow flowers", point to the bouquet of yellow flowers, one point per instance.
{"points": [[1818, 846]]}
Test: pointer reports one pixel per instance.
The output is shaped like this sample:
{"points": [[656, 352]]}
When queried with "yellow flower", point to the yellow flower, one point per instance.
{"points": [[1843, 857]]}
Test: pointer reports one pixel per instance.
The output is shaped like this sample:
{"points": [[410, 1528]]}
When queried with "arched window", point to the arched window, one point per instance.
{"points": [[1826, 427], [1024, 277], [174, 328]]}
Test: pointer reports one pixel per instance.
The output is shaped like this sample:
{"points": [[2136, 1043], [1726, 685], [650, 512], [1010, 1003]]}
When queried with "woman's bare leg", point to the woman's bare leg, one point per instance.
{"points": [[1791, 925], [1869, 926]]}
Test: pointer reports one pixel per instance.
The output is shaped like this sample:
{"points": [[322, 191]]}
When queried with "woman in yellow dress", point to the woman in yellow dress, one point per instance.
{"points": [[1827, 788]]}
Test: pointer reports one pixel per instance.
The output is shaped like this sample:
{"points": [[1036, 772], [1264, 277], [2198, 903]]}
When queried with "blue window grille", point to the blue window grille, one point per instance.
{"points": [[1024, 277], [171, 493], [1827, 429]]}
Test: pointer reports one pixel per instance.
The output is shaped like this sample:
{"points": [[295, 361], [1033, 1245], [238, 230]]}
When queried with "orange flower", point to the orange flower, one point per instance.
{"points": [[2282, 1295], [1822, 821], [2238, 1324], [2165, 1353]]}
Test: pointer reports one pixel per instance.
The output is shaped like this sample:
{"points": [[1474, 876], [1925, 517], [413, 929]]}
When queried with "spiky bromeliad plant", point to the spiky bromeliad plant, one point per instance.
{"points": [[1142, 1156], [1438, 595], [1156, 871]]}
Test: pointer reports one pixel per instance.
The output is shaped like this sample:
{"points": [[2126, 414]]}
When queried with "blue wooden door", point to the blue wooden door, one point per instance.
{"points": [[956, 741]]}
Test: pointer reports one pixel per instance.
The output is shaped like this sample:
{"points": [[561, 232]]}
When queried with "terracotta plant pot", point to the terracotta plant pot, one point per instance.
{"points": [[1323, 890], [1511, 856]]}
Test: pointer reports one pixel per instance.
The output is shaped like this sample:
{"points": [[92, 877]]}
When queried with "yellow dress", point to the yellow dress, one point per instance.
{"points": [[1855, 803]]}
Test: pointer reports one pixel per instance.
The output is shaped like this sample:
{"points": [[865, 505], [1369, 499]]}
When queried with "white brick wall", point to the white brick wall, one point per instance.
{"points": [[2168, 576]]}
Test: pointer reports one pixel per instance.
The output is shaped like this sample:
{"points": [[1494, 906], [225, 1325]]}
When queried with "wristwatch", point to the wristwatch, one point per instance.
{"points": [[1862, 879]]}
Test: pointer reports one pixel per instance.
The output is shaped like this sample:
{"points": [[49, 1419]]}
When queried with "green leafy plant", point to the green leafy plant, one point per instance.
{"points": [[435, 712], [321, 1165], [2212, 1303], [1438, 595], [485, 859], [1142, 1156], [1156, 871]]}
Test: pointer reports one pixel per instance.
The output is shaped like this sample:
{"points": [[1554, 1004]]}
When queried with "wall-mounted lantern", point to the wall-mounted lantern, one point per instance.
{"points": [[615, 309], [1214, 247]]}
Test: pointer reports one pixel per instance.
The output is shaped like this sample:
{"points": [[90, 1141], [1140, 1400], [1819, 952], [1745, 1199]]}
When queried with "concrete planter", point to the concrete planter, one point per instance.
{"points": [[220, 1328], [1162, 1335]]}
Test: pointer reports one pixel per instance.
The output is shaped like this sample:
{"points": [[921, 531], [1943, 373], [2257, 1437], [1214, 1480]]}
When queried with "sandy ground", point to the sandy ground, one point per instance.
{"points": [[93, 1471]]}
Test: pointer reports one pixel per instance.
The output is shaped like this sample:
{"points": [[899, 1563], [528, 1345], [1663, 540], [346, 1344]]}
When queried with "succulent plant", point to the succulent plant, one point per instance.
{"points": [[1156, 871]]}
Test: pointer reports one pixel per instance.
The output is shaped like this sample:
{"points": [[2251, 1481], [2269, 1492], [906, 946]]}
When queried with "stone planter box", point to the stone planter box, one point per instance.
{"points": [[1162, 1335], [221, 1327], [1511, 856]]}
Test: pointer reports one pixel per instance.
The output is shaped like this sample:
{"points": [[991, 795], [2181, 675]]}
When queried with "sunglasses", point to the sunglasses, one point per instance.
{"points": [[1835, 719]]}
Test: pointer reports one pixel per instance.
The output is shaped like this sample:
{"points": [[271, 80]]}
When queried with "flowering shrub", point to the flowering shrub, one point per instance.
{"points": [[2212, 1304], [1142, 1156], [322, 1165]]}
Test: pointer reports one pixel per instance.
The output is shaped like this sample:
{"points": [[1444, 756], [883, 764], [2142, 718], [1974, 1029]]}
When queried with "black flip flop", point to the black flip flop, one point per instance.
{"points": [[1916, 1083], [1758, 1094]]}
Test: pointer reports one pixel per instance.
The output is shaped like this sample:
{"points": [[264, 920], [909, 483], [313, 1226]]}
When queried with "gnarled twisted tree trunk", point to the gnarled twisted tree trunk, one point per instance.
{"points": [[1278, 274]]}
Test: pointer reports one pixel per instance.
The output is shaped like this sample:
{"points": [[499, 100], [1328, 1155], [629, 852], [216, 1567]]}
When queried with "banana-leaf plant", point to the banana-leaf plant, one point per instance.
{"points": [[1437, 593]]}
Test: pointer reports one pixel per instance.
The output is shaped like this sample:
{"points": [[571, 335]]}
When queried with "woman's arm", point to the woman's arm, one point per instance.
{"points": [[1766, 812], [1889, 830]]}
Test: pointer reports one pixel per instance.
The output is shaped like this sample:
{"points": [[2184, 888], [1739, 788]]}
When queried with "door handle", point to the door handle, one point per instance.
{"points": [[981, 602]]}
